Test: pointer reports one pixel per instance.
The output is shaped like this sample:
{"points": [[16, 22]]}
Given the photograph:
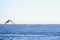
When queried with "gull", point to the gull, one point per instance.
{"points": [[9, 21]]}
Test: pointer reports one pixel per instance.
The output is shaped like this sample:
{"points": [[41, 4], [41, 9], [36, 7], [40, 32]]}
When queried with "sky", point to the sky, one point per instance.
{"points": [[30, 11]]}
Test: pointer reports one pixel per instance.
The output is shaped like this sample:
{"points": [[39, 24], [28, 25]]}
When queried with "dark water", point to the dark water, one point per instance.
{"points": [[30, 32]]}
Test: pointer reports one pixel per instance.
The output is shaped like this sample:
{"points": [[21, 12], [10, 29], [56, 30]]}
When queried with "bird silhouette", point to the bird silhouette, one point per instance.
{"points": [[9, 21]]}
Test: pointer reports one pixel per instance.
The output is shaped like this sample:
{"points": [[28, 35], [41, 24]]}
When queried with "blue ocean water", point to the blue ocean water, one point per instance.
{"points": [[29, 31]]}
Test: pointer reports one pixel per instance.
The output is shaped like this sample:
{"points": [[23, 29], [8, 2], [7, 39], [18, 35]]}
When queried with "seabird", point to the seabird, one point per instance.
{"points": [[9, 21]]}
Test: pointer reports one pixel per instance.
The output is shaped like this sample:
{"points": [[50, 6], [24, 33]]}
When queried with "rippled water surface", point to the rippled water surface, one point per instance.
{"points": [[30, 32]]}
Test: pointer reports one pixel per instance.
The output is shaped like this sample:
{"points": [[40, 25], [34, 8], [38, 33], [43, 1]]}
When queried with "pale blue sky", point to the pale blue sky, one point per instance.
{"points": [[30, 11]]}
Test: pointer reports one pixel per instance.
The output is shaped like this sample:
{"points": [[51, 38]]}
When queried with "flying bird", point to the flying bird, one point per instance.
{"points": [[9, 21]]}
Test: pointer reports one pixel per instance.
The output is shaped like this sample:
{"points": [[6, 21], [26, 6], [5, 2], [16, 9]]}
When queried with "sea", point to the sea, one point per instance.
{"points": [[29, 31]]}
